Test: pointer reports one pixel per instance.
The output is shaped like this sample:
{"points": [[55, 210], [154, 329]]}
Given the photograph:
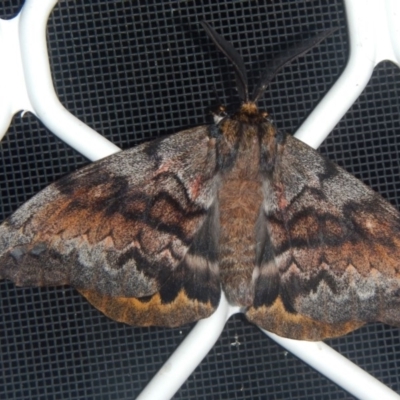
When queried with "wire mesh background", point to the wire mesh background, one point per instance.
{"points": [[137, 70]]}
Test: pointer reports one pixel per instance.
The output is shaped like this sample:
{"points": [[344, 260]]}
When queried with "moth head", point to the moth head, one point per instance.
{"points": [[271, 71]]}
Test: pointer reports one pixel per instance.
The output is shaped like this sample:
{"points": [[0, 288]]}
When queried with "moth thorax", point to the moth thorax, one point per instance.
{"points": [[249, 113], [246, 126]]}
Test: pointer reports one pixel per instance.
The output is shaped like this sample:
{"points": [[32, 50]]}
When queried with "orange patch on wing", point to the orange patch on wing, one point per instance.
{"points": [[164, 167], [151, 312], [280, 193], [304, 227], [60, 219], [195, 188], [296, 326]]}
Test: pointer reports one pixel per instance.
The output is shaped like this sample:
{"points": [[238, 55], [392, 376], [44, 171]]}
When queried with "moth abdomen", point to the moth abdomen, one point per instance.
{"points": [[240, 199]]}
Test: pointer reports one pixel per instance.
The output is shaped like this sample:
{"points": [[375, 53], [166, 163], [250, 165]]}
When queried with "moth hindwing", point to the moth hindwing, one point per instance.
{"points": [[151, 235]]}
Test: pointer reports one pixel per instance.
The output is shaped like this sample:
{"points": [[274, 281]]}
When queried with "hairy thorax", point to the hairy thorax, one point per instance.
{"points": [[240, 199]]}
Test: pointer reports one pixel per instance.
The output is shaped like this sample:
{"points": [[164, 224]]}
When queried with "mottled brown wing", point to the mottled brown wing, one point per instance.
{"points": [[329, 252], [132, 232]]}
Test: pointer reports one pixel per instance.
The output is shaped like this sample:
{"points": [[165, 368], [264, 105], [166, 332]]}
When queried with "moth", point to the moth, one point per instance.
{"points": [[152, 235]]}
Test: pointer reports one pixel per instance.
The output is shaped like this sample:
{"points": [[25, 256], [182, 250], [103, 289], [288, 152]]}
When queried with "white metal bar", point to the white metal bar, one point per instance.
{"points": [[337, 368], [39, 85], [374, 36], [188, 355], [13, 94]]}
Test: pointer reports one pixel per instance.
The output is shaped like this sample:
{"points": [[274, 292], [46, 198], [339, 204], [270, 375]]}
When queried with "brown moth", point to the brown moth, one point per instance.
{"points": [[151, 235]]}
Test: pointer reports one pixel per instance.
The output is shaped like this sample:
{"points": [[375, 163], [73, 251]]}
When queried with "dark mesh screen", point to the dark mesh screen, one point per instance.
{"points": [[137, 70]]}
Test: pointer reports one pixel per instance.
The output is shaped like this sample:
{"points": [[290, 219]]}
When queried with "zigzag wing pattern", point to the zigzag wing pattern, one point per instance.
{"points": [[330, 257], [126, 230]]}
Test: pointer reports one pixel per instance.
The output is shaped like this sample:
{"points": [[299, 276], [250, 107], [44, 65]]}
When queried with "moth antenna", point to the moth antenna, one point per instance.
{"points": [[286, 58], [234, 57]]}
